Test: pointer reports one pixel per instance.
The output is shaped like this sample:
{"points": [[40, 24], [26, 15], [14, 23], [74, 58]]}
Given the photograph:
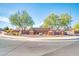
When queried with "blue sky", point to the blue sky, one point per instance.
{"points": [[38, 11]]}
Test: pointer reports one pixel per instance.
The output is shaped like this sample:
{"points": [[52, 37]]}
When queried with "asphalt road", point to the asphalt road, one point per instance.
{"points": [[69, 50], [38, 48]]}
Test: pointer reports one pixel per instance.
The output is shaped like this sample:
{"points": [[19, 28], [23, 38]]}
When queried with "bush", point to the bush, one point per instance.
{"points": [[6, 28]]}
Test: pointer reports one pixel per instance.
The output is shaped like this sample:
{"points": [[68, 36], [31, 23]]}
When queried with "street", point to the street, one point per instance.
{"points": [[38, 48]]}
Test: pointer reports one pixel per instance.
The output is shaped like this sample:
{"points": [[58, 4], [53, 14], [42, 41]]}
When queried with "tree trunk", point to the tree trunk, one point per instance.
{"points": [[20, 32]]}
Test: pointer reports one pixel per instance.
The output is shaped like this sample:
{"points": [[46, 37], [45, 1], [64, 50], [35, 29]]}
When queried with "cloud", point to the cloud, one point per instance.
{"points": [[4, 19]]}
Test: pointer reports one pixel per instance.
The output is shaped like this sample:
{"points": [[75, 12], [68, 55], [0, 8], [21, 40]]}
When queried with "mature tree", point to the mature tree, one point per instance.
{"points": [[26, 20], [76, 26], [56, 22], [51, 21], [21, 20], [14, 19], [65, 21]]}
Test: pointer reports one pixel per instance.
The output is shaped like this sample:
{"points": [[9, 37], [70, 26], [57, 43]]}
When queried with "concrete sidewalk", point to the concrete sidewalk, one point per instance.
{"points": [[39, 38]]}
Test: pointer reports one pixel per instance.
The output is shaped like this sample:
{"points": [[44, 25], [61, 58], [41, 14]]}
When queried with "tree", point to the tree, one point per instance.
{"points": [[65, 21], [76, 26], [14, 19], [57, 22], [26, 20], [51, 21], [21, 20]]}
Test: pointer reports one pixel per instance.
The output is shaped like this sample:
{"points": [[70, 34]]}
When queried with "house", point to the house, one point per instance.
{"points": [[43, 31], [73, 31]]}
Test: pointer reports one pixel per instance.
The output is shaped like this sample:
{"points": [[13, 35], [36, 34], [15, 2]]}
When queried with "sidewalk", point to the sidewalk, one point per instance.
{"points": [[47, 38]]}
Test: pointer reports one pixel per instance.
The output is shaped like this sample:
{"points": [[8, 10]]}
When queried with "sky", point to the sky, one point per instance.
{"points": [[38, 11]]}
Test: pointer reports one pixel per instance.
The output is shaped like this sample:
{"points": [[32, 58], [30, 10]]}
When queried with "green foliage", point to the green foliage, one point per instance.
{"points": [[65, 20], [21, 20], [76, 26], [14, 19], [26, 20], [6, 28], [57, 22], [50, 21]]}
